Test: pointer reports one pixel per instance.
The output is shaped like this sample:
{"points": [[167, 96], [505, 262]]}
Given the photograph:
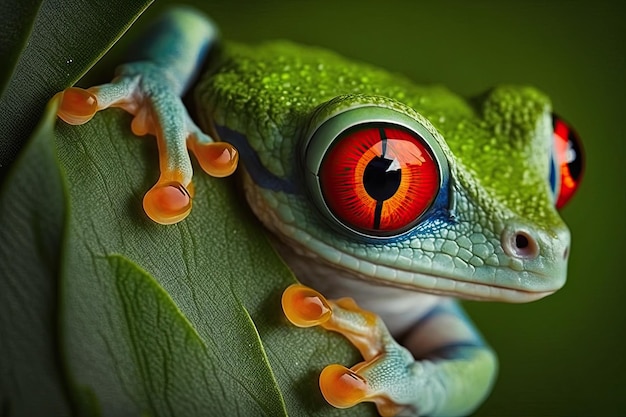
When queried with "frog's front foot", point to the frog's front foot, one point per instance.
{"points": [[157, 110], [387, 376]]}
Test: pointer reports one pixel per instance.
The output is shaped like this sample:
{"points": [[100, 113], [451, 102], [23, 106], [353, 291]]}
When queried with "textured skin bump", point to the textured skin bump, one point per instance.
{"points": [[269, 92]]}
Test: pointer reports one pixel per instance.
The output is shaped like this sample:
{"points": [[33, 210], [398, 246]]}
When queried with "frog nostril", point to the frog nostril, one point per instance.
{"points": [[566, 252], [520, 244]]}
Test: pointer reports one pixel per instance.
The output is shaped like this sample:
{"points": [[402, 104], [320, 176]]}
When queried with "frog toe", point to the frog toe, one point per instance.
{"points": [[76, 105], [143, 124], [167, 203], [218, 159], [344, 388], [305, 307]]}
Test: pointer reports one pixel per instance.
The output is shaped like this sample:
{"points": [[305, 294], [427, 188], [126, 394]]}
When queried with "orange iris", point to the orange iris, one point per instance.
{"points": [[379, 179]]}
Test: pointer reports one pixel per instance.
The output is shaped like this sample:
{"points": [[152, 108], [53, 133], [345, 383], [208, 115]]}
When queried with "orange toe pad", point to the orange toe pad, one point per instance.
{"points": [[167, 203], [218, 159], [304, 306], [342, 387], [77, 106]]}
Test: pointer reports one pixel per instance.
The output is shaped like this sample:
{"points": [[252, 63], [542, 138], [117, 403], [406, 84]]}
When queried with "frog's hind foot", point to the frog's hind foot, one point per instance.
{"points": [[385, 366], [150, 89]]}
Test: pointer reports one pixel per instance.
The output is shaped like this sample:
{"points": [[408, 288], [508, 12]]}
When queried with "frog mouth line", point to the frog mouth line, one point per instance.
{"points": [[462, 289], [447, 285], [439, 284], [442, 285]]}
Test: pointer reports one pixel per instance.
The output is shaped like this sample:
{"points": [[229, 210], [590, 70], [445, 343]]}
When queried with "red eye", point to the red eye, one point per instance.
{"points": [[569, 158], [379, 179]]}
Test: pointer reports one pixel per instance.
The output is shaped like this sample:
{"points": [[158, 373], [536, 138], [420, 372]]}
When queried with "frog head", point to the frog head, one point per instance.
{"points": [[461, 203]]}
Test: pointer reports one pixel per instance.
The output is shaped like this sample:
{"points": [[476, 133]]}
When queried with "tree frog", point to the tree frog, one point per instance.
{"points": [[390, 198]]}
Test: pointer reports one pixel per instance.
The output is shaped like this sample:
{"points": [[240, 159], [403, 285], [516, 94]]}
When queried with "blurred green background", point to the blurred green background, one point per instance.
{"points": [[563, 355]]}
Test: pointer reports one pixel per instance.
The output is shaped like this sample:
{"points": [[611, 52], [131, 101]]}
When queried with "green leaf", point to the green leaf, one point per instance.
{"points": [[47, 49], [32, 207], [176, 367], [139, 299], [17, 21]]}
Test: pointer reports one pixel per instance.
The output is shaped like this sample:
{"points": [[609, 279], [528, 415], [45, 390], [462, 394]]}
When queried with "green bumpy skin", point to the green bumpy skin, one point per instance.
{"points": [[497, 146]]}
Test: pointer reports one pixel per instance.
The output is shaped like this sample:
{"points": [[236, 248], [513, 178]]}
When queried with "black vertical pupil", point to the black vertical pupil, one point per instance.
{"points": [[380, 182]]}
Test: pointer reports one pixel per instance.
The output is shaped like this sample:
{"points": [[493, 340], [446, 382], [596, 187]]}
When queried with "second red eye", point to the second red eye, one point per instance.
{"points": [[570, 159], [379, 179]]}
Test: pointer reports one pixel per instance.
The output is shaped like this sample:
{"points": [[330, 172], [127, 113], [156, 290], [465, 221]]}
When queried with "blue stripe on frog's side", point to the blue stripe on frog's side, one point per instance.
{"points": [[260, 175]]}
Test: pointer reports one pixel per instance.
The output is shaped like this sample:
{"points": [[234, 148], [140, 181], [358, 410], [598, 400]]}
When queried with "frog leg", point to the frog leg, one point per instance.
{"points": [[150, 89], [443, 369]]}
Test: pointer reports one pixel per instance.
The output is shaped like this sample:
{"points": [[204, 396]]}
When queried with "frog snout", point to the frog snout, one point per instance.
{"points": [[526, 242]]}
